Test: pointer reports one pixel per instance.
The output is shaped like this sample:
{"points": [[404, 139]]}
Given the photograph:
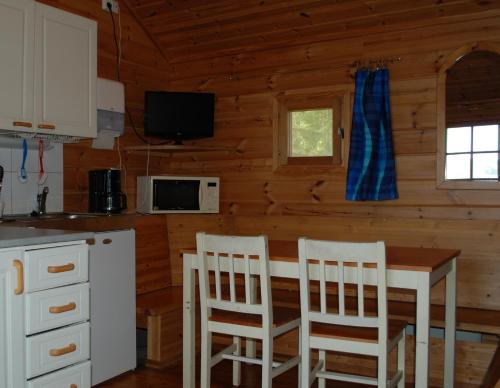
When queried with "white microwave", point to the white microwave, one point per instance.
{"points": [[177, 194]]}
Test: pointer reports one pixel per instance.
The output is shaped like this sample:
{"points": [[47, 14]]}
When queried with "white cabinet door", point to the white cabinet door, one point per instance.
{"points": [[112, 304], [16, 64], [65, 73], [12, 369]]}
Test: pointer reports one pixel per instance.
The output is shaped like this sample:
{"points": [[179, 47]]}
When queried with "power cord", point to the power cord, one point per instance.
{"points": [[118, 75]]}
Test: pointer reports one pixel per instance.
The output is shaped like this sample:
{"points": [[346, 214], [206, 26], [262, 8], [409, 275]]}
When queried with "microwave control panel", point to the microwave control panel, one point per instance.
{"points": [[212, 196]]}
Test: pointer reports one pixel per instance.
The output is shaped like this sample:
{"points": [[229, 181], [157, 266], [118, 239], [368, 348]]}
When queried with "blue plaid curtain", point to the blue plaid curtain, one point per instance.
{"points": [[371, 174]]}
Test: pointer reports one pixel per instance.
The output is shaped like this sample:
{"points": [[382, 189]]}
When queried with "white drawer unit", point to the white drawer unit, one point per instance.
{"points": [[49, 309], [54, 267], [56, 349], [45, 312], [76, 376]]}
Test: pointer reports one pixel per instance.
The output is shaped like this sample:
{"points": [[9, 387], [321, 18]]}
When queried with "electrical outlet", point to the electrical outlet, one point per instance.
{"points": [[115, 7]]}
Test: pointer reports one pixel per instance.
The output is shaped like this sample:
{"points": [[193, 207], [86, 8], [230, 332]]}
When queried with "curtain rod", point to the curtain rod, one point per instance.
{"points": [[378, 63]]}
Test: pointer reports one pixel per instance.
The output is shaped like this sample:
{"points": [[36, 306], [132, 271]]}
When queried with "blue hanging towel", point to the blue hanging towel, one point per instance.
{"points": [[371, 174]]}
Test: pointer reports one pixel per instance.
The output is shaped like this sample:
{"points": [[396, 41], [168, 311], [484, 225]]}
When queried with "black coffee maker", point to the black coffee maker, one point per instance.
{"points": [[105, 195]]}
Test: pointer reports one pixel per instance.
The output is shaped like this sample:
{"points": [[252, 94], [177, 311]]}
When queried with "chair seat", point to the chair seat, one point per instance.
{"points": [[359, 334], [281, 316]]}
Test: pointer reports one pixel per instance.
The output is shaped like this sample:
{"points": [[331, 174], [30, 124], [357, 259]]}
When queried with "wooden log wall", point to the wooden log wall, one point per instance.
{"points": [[311, 202]]}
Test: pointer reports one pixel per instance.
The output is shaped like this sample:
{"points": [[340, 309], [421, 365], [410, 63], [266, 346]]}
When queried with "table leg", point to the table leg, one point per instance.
{"points": [[450, 326], [188, 329], [250, 343], [423, 328]]}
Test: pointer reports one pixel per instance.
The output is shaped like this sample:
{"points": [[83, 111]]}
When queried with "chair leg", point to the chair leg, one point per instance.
{"points": [[322, 357], [206, 358], [299, 367], [267, 361], [401, 360], [305, 358], [237, 364], [382, 370]]}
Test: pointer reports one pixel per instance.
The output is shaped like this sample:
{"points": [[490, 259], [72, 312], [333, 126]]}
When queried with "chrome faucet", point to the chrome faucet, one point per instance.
{"points": [[41, 199]]}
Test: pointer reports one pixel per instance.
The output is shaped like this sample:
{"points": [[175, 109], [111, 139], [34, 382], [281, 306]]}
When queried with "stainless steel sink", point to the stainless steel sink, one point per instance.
{"points": [[49, 216], [74, 216]]}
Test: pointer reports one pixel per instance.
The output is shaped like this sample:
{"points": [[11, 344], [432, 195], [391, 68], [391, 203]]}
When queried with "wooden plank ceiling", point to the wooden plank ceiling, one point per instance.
{"points": [[191, 29]]}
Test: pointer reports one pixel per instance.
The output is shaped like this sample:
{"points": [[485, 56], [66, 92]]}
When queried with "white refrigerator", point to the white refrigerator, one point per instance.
{"points": [[112, 305]]}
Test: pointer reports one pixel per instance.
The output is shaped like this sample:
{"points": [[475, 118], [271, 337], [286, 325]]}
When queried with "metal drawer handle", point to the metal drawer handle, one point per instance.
{"points": [[46, 126], [62, 351], [61, 268], [26, 124], [62, 309], [18, 264], [107, 241]]}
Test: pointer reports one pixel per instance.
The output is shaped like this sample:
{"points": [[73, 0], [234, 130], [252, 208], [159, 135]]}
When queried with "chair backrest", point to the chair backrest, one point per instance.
{"points": [[234, 255], [343, 263]]}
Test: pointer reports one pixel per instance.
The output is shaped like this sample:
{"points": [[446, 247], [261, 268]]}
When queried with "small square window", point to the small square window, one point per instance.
{"points": [[485, 138], [458, 139], [485, 165], [311, 133], [307, 129], [458, 166]]}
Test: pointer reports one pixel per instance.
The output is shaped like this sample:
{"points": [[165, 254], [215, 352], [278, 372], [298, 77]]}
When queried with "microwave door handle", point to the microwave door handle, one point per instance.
{"points": [[200, 196], [152, 191]]}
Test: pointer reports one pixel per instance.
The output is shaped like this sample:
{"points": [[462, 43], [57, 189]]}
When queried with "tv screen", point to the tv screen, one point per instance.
{"points": [[179, 115]]}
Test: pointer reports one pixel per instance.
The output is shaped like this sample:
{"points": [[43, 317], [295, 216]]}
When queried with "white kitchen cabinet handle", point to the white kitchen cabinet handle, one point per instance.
{"points": [[60, 268], [62, 351], [62, 309], [26, 124], [46, 126], [18, 264]]}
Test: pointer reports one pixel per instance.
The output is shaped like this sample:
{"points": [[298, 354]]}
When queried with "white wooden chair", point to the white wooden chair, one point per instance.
{"points": [[240, 317], [331, 329]]}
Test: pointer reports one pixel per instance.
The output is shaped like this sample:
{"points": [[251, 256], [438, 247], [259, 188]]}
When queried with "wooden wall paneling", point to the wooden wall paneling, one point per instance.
{"points": [[338, 28], [153, 267]]}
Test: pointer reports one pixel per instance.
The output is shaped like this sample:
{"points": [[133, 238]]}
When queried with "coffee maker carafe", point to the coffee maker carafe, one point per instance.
{"points": [[105, 195]]}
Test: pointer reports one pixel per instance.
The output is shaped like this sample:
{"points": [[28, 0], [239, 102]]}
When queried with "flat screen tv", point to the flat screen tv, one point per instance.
{"points": [[179, 115]]}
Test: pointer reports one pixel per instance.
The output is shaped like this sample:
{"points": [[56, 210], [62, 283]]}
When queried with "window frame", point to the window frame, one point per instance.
{"points": [[284, 103], [441, 181], [472, 153]]}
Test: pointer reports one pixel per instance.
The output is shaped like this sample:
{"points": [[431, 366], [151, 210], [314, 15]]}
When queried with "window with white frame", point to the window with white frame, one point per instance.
{"points": [[468, 118], [472, 152]]}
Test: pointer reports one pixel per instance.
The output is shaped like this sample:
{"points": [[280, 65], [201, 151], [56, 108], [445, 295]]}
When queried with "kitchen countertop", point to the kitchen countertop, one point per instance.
{"points": [[93, 223], [13, 236]]}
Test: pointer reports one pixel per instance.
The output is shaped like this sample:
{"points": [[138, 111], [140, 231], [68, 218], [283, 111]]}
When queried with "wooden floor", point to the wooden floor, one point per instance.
{"points": [[221, 378]]}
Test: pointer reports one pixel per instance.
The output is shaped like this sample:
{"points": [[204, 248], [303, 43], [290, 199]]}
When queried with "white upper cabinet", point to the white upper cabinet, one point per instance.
{"points": [[65, 73], [48, 70], [16, 64]]}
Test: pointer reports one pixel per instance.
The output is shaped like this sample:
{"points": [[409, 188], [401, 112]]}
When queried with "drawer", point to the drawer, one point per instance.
{"points": [[53, 267], [56, 349], [76, 376], [49, 309]]}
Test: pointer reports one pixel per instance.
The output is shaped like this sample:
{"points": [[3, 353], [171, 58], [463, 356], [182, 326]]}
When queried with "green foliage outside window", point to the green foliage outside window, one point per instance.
{"points": [[311, 133]]}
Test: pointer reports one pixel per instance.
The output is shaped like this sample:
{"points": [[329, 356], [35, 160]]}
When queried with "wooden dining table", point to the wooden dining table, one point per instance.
{"points": [[407, 268]]}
